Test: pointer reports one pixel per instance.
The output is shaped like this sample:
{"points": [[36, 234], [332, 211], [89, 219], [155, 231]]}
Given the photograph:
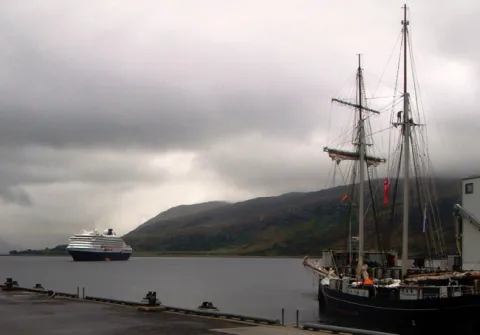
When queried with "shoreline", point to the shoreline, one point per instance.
{"points": [[172, 255]]}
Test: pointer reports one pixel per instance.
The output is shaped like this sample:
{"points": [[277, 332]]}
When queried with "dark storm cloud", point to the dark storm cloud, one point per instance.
{"points": [[454, 121], [266, 166], [115, 75], [89, 93], [36, 166], [11, 180], [109, 76], [194, 93], [15, 195]]}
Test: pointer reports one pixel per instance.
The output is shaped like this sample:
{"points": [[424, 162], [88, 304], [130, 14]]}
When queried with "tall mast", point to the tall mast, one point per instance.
{"points": [[359, 154], [406, 149], [361, 143]]}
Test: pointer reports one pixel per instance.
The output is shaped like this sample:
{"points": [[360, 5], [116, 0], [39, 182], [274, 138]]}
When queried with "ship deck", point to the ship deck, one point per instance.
{"points": [[27, 313]]}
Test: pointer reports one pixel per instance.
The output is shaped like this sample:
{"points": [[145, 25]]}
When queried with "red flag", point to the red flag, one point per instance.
{"points": [[345, 197], [386, 188]]}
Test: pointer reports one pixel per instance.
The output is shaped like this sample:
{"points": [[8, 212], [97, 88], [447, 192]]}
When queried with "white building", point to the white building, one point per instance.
{"points": [[470, 210]]}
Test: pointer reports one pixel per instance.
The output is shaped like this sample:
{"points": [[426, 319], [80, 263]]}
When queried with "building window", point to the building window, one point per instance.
{"points": [[469, 188]]}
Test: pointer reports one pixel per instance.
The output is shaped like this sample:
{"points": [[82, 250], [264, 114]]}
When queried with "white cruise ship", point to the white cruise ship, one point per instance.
{"points": [[90, 245]]}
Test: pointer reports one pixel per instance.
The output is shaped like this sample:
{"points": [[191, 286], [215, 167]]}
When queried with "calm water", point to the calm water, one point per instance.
{"points": [[249, 286]]}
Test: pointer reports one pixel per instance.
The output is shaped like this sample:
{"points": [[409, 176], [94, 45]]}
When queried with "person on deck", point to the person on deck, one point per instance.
{"points": [[367, 281], [367, 284]]}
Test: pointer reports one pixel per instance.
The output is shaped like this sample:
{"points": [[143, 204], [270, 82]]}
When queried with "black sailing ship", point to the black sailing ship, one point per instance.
{"points": [[425, 301]]}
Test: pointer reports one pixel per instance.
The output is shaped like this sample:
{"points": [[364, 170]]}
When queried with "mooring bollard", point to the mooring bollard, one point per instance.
{"points": [[8, 284], [151, 299], [297, 318], [283, 316]]}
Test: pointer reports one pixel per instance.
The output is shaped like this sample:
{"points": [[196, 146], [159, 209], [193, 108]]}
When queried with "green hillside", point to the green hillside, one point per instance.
{"points": [[183, 210], [289, 224]]}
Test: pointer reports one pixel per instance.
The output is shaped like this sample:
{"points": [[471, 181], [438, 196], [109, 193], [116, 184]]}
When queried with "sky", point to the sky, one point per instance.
{"points": [[113, 111]]}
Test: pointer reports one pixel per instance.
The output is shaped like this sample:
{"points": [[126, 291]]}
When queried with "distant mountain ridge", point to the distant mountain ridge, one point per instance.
{"points": [[290, 224], [183, 210]]}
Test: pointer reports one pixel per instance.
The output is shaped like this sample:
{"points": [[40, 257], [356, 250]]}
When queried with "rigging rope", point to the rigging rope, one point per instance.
{"points": [[437, 232], [400, 37], [422, 165]]}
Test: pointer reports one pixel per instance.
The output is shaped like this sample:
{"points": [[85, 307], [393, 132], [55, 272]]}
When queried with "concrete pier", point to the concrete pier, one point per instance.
{"points": [[32, 313], [41, 311]]}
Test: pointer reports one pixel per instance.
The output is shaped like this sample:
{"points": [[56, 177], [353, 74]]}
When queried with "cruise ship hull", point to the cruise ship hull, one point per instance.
{"points": [[92, 256]]}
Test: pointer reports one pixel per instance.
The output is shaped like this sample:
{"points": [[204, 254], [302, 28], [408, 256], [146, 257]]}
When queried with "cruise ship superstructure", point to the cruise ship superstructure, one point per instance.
{"points": [[90, 245]]}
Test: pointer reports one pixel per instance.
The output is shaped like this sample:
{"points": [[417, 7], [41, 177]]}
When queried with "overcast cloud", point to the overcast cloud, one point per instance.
{"points": [[113, 111]]}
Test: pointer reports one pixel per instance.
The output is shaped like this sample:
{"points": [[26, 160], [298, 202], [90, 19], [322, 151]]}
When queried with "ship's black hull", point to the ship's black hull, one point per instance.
{"points": [[91, 256], [425, 314]]}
